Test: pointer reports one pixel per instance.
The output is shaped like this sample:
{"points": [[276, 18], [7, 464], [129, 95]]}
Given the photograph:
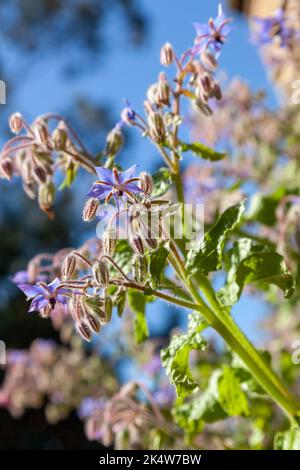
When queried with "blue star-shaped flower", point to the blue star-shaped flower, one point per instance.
{"points": [[42, 295], [273, 26], [212, 35]]}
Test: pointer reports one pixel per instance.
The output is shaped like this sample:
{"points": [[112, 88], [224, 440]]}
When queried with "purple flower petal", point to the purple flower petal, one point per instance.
{"points": [[128, 174], [32, 290], [38, 303], [105, 175], [53, 285], [99, 192]]}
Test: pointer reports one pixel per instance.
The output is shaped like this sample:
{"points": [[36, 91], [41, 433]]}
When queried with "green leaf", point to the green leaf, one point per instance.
{"points": [[231, 396], [158, 260], [70, 176], [208, 256], [137, 303], [288, 440], [162, 182], [123, 256], [175, 358], [252, 263], [202, 151]]}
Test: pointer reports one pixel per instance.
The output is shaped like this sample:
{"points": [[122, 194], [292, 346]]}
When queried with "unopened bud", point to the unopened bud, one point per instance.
{"points": [[146, 183], [150, 242], [84, 331], [203, 107], [217, 90], [109, 242], [114, 141], [90, 209], [167, 55], [59, 138], [140, 269], [77, 308], [39, 174], [163, 91], [68, 266], [7, 168], [46, 195], [108, 306], [95, 305], [137, 244], [152, 93], [29, 190], [93, 323], [209, 61], [16, 123], [156, 127], [101, 274], [42, 132], [120, 300]]}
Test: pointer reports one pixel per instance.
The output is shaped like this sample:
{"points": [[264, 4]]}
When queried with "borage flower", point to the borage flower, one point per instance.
{"points": [[45, 297], [112, 183], [212, 35], [271, 27]]}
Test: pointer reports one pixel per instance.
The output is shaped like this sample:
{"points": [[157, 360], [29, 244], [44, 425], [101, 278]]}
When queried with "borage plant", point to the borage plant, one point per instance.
{"points": [[140, 257]]}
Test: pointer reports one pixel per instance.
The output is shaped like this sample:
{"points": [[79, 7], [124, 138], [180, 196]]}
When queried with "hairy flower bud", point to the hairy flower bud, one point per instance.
{"points": [[90, 209], [109, 242], [108, 306], [93, 323], [114, 141], [84, 331], [68, 266], [140, 269], [101, 274], [163, 91], [217, 90], [136, 244], [167, 55], [156, 127], [46, 195], [39, 174], [16, 123], [120, 300], [209, 61], [77, 308], [152, 93], [29, 190], [146, 183], [7, 168], [94, 304], [59, 138], [42, 132]]}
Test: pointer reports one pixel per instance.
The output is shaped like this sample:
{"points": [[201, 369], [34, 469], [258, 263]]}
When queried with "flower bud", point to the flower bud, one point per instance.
{"points": [[140, 269], [150, 242], [90, 209], [84, 331], [46, 196], [16, 123], [59, 138], [167, 55], [93, 323], [29, 190], [7, 168], [95, 305], [203, 107], [209, 61], [108, 310], [120, 300], [77, 308], [109, 242], [156, 127], [39, 174], [152, 93], [68, 266], [136, 244], [217, 90], [101, 274], [114, 141], [42, 132], [128, 115], [163, 91], [146, 183]]}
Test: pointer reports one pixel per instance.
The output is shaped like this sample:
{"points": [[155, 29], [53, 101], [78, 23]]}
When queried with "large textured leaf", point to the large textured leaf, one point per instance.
{"points": [[231, 396], [202, 151], [137, 303], [288, 440], [208, 256], [175, 357], [252, 263]]}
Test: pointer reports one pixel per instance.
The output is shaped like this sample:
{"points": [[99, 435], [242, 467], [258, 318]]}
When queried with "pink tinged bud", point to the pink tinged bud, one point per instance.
{"points": [[7, 168], [42, 132], [152, 93], [114, 142], [146, 183], [101, 274], [206, 83], [137, 244], [209, 61], [90, 209], [163, 93], [46, 196], [68, 266], [39, 174], [150, 242], [59, 138], [84, 331], [77, 308], [156, 127], [16, 122], [217, 90], [167, 55], [93, 323]]}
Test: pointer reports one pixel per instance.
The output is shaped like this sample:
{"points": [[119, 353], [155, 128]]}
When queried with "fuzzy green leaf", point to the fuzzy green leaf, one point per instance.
{"points": [[209, 255], [231, 396], [158, 260], [202, 151], [137, 303], [161, 182], [175, 358]]}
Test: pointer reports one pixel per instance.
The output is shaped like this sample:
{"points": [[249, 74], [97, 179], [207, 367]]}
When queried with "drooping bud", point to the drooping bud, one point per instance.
{"points": [[93, 323], [203, 107], [42, 132], [90, 209], [39, 174], [156, 127], [152, 93], [140, 269], [120, 300], [95, 305], [167, 55], [163, 91], [59, 138], [84, 331], [7, 168], [16, 123], [146, 183], [29, 190], [114, 141], [217, 90], [68, 266], [109, 242], [209, 61], [77, 308], [136, 244], [150, 241], [101, 274], [46, 196], [108, 306]]}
